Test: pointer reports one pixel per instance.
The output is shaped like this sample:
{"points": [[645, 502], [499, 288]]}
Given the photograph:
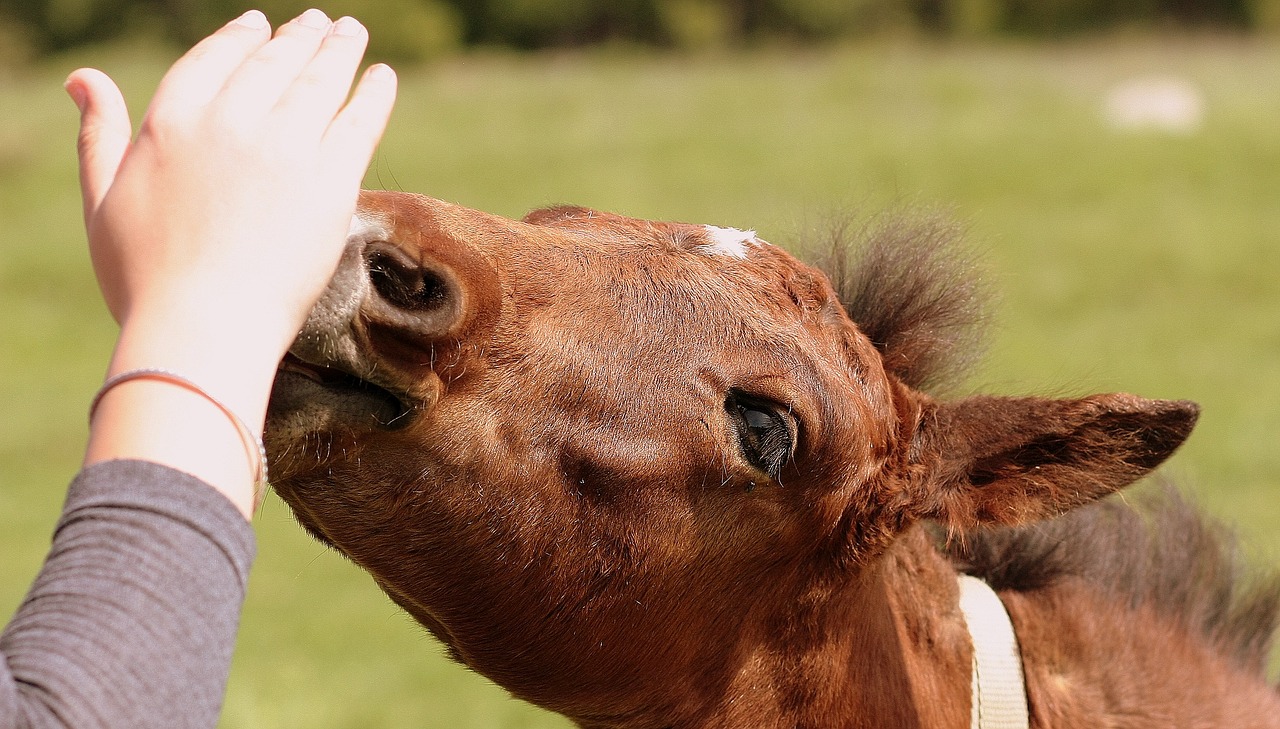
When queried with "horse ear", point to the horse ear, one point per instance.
{"points": [[993, 461]]}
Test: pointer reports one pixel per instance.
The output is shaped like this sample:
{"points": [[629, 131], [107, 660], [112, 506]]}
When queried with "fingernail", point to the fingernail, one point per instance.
{"points": [[253, 19], [314, 19], [347, 25], [381, 72], [77, 94]]}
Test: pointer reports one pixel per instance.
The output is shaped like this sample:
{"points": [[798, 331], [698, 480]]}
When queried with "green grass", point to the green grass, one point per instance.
{"points": [[1135, 262]]}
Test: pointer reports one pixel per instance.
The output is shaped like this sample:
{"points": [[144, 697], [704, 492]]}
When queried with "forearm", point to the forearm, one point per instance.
{"points": [[132, 620], [213, 436]]}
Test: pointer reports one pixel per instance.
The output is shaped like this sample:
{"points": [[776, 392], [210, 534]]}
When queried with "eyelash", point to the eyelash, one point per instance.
{"points": [[766, 432]]}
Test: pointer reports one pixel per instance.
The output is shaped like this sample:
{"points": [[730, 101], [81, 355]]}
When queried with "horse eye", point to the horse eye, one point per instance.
{"points": [[766, 432]]}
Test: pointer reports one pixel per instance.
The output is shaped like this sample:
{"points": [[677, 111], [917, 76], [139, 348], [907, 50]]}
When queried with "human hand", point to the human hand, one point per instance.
{"points": [[214, 231], [233, 201]]}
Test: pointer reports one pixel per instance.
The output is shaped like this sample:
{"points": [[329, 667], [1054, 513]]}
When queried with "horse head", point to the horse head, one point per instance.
{"points": [[601, 457]]}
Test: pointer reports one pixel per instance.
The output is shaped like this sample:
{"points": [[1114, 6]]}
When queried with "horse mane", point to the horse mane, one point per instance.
{"points": [[913, 288], [1152, 548], [920, 295]]}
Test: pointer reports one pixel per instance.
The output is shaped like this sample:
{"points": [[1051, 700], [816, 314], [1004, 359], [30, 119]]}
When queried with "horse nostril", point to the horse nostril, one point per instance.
{"points": [[405, 284], [410, 298]]}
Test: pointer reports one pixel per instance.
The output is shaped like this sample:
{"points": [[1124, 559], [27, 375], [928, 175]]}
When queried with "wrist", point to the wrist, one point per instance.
{"points": [[234, 364], [166, 421]]}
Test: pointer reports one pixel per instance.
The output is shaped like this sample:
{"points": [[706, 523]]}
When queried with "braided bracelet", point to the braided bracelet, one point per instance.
{"points": [[253, 445]]}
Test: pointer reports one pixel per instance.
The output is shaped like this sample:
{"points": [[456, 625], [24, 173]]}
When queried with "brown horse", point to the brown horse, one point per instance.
{"points": [[658, 475]]}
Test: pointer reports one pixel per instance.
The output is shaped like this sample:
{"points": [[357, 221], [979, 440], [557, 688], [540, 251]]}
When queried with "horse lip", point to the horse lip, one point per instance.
{"points": [[335, 377], [329, 374], [292, 363]]}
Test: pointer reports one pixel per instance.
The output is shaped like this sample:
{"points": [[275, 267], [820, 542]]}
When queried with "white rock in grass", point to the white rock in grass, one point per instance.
{"points": [[1156, 103]]}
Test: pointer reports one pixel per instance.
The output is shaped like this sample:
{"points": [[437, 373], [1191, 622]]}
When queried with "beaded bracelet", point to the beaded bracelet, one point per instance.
{"points": [[254, 447]]}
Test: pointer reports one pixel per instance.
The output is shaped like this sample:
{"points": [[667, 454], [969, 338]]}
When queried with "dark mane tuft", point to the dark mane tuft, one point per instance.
{"points": [[1155, 549], [911, 286]]}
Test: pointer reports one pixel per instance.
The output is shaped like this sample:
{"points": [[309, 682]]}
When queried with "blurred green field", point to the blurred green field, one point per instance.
{"points": [[1143, 262]]}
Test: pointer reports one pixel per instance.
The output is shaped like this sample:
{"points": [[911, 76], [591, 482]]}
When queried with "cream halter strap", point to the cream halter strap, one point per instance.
{"points": [[999, 693]]}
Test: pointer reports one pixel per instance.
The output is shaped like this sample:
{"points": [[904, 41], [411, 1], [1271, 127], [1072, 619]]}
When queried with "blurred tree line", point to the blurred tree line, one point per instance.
{"points": [[410, 30]]}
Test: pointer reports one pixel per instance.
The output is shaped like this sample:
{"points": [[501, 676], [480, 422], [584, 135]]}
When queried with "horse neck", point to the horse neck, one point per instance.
{"points": [[888, 649], [909, 618]]}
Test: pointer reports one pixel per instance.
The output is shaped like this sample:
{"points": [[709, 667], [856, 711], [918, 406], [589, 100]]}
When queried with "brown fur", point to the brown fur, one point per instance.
{"points": [[1151, 550], [569, 500]]}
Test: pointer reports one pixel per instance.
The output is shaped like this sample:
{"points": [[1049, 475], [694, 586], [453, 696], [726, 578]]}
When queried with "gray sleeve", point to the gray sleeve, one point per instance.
{"points": [[132, 620]]}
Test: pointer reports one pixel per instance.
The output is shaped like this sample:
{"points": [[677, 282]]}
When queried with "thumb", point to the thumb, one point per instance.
{"points": [[105, 131]]}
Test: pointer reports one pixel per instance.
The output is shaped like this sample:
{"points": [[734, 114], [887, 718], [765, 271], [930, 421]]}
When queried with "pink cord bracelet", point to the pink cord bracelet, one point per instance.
{"points": [[254, 447]]}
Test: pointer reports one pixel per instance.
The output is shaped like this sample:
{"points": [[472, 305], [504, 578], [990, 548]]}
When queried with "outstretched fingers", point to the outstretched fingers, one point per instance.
{"points": [[258, 84], [104, 136], [322, 87], [196, 78], [354, 134]]}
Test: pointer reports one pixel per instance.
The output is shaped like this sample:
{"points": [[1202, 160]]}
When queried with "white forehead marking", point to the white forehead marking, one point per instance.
{"points": [[729, 241], [365, 227]]}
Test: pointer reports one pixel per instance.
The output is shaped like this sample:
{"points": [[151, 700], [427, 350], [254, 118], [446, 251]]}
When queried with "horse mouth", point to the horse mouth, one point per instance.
{"points": [[330, 394]]}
